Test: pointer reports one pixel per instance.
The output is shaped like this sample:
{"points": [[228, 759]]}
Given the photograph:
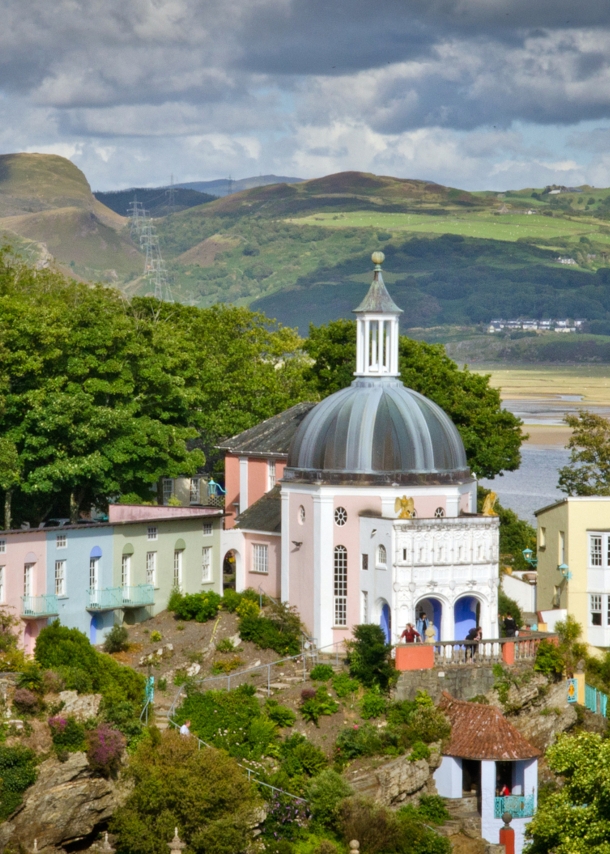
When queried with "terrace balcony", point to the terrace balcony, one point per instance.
{"points": [[37, 607], [103, 599], [120, 598], [138, 596], [519, 806]]}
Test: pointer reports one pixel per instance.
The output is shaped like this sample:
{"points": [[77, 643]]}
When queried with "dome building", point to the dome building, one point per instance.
{"points": [[378, 515]]}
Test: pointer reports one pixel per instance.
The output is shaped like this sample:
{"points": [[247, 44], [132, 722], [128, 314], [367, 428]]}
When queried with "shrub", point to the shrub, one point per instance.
{"points": [[12, 659], [175, 598], [299, 757], [162, 684], [379, 829], [312, 708], [354, 741], [156, 637], [369, 657], [227, 666], [281, 715], [549, 659], [105, 746], [52, 682], [419, 751], [321, 673], [67, 733], [225, 645], [263, 632], [230, 600], [325, 793], [32, 678], [428, 724], [117, 640], [506, 605], [195, 606], [17, 772], [247, 608], [372, 705], [26, 701], [344, 685], [432, 808], [124, 715], [286, 818]]}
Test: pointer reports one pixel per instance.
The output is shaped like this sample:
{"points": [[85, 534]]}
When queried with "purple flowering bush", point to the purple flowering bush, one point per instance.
{"points": [[286, 818], [105, 746], [67, 733], [26, 701]]}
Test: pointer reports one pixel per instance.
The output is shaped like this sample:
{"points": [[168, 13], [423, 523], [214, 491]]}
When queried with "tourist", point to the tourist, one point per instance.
{"points": [[510, 626], [421, 623], [410, 634], [473, 638], [185, 728]]}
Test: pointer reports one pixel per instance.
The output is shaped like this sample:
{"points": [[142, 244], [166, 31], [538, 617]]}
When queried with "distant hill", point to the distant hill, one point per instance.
{"points": [[226, 186], [156, 201]]}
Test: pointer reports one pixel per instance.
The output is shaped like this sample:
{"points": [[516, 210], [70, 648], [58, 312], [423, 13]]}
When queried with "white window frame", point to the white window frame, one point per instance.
{"points": [[94, 573], [61, 541], [595, 550], [206, 564], [340, 516], [365, 606], [340, 586], [60, 577], [207, 529], [177, 581], [595, 607], [125, 570], [302, 515], [151, 568], [152, 533], [167, 487], [195, 490], [260, 558], [2, 589], [28, 577], [2, 547], [271, 476], [381, 554]]}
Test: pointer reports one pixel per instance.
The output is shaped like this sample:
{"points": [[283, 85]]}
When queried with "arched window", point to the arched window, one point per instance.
{"points": [[340, 586], [340, 516], [382, 557], [439, 513]]}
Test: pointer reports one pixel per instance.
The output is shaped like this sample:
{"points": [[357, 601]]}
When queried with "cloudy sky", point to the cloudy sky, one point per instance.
{"points": [[480, 94]]}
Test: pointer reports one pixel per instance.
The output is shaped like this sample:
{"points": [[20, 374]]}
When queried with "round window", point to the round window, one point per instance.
{"points": [[439, 513], [301, 515], [340, 516]]}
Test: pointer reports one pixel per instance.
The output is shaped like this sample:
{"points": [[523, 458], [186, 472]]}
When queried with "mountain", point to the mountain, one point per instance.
{"points": [[48, 211], [228, 186], [156, 201]]}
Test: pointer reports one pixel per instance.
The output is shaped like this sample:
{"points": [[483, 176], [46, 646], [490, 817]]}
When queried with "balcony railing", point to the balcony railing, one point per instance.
{"points": [[104, 598], [137, 596], [519, 806], [35, 607], [484, 651]]}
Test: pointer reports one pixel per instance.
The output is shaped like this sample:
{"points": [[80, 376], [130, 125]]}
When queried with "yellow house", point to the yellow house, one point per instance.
{"points": [[574, 563]]}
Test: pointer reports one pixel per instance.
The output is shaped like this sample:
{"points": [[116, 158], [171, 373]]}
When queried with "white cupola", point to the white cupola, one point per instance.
{"points": [[377, 329]]}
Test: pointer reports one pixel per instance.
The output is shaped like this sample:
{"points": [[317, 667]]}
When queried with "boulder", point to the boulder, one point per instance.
{"points": [[80, 706], [68, 803], [395, 781], [551, 716]]}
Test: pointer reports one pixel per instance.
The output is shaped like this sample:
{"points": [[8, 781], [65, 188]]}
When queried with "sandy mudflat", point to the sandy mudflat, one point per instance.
{"points": [[542, 434]]}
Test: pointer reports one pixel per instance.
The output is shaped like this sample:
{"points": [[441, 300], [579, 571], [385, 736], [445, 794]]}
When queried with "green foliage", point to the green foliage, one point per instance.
{"points": [[506, 605], [373, 704], [432, 808], [549, 659], [67, 733], [17, 772], [299, 757], [515, 535], [117, 640], [156, 636], [12, 659], [321, 673], [280, 715], [225, 645], [201, 792], [227, 665], [369, 657], [572, 650], [195, 606], [344, 685], [573, 819], [230, 600], [383, 831], [324, 794], [491, 435], [279, 630], [588, 472], [247, 608], [32, 678], [428, 724], [419, 751], [321, 703], [364, 740]]}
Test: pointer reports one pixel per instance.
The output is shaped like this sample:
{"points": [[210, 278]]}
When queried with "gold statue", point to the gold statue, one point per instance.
{"points": [[405, 507], [488, 504]]}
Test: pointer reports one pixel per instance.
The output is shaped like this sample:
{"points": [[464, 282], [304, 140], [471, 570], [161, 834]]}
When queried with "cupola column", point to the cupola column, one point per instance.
{"points": [[377, 329]]}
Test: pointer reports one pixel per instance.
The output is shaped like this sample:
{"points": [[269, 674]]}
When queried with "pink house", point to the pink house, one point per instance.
{"points": [[23, 591]]}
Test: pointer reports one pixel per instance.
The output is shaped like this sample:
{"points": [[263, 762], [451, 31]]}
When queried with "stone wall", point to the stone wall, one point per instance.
{"points": [[463, 683]]}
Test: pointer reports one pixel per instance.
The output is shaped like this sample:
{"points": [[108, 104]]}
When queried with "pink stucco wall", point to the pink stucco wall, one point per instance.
{"points": [[301, 558], [136, 512], [21, 548], [425, 505], [232, 487], [270, 583]]}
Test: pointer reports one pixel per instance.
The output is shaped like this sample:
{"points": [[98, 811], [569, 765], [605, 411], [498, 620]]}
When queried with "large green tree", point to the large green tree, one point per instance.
{"points": [[491, 435], [588, 472]]}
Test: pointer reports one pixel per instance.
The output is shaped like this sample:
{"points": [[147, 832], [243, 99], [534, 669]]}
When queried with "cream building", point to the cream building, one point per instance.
{"points": [[574, 564]]}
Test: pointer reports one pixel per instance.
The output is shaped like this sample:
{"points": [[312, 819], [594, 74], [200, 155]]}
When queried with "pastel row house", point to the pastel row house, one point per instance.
{"points": [[92, 576]]}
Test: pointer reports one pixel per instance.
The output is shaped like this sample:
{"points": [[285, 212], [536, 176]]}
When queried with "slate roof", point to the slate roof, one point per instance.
{"points": [[482, 732], [271, 437], [264, 515], [378, 299]]}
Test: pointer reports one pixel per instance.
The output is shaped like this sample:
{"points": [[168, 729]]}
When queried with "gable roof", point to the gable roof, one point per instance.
{"points": [[482, 732], [264, 515], [271, 437]]}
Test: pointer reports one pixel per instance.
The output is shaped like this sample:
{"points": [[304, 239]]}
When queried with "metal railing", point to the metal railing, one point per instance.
{"points": [[486, 651], [39, 606], [519, 806], [103, 598], [137, 596], [596, 701]]}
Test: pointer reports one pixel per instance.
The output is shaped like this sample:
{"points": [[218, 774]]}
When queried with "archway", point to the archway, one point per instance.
{"points": [[467, 611], [229, 570], [433, 609], [385, 621]]}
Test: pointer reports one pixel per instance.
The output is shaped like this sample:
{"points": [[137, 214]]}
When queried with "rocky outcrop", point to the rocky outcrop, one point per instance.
{"points": [[546, 716], [395, 781], [80, 706], [67, 803]]}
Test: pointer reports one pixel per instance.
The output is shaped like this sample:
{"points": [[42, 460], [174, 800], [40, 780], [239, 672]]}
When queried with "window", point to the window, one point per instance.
{"points": [[596, 551], [2, 584], [439, 513], [2, 547], [27, 579], [382, 556], [207, 529], [151, 568], [168, 489], [195, 491], [542, 538], [61, 541], [301, 515], [260, 558], [404, 554], [340, 586], [206, 564], [596, 609], [271, 473], [60, 577], [365, 561], [365, 606], [562, 547], [178, 569], [152, 533], [125, 570], [340, 516], [93, 573]]}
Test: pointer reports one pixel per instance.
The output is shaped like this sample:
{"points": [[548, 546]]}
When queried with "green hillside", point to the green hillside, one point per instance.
{"points": [[155, 201]]}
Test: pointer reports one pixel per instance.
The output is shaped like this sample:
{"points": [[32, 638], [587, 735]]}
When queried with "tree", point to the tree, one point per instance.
{"points": [[575, 819], [491, 435], [204, 793], [10, 474], [368, 657], [588, 472], [515, 534]]}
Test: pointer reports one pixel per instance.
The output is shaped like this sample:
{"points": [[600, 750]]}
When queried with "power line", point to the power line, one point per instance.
{"points": [[171, 196], [155, 270]]}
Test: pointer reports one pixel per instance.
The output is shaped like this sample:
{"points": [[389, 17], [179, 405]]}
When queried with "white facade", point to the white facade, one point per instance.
{"points": [[449, 777]]}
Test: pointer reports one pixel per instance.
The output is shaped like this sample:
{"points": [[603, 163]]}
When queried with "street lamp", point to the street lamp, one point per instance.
{"points": [[564, 569], [528, 556]]}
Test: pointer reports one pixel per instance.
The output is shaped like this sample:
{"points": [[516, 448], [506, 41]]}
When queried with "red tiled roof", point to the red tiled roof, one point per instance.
{"points": [[482, 732]]}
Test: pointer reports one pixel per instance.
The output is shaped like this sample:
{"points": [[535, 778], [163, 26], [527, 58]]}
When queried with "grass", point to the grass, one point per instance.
{"points": [[543, 383]]}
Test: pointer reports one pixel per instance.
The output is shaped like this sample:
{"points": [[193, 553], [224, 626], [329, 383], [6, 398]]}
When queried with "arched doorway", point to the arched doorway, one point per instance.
{"points": [[229, 570], [433, 609], [385, 621], [467, 612]]}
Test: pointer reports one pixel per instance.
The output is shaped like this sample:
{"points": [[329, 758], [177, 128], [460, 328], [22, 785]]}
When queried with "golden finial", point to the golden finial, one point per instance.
{"points": [[378, 258]]}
